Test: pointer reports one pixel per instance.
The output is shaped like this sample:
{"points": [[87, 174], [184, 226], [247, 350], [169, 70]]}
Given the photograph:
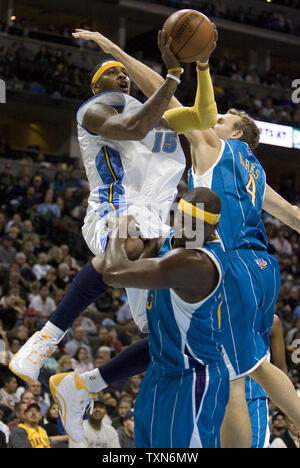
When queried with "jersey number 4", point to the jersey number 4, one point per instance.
{"points": [[251, 188], [166, 142]]}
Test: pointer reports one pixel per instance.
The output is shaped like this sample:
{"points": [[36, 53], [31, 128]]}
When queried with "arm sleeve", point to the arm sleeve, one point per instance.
{"points": [[203, 115]]}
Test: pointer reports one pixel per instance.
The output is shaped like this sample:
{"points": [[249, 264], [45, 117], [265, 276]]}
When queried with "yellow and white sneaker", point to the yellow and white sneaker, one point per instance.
{"points": [[73, 399], [29, 360]]}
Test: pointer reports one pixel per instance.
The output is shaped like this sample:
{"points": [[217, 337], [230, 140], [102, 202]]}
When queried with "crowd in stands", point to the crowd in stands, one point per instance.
{"points": [[58, 73], [39, 257], [275, 20]]}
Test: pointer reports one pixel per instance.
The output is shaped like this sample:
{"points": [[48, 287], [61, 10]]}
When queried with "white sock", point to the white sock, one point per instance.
{"points": [[93, 381], [53, 331]]}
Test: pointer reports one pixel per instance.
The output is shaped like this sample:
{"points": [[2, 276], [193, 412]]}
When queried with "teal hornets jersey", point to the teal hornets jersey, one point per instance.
{"points": [[240, 181], [182, 335]]}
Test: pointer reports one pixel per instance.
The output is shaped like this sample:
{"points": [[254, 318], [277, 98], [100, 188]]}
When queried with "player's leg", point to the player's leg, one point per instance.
{"points": [[279, 389], [84, 289], [236, 428], [259, 417], [71, 389]]}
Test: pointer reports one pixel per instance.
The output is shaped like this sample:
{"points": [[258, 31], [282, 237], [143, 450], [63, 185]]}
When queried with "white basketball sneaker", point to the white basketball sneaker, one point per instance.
{"points": [[73, 399], [29, 360]]}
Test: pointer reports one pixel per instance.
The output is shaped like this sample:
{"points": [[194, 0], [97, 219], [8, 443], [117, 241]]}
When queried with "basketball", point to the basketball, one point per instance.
{"points": [[192, 33]]}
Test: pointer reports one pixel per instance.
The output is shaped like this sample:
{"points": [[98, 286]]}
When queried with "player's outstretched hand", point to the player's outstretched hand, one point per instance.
{"points": [[214, 45], [164, 44], [102, 41]]}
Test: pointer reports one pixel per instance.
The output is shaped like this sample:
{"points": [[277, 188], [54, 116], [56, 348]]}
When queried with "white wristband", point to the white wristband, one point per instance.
{"points": [[169, 75]]}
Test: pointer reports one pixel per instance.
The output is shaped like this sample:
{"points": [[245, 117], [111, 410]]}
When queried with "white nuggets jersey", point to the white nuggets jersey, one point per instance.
{"points": [[136, 177]]}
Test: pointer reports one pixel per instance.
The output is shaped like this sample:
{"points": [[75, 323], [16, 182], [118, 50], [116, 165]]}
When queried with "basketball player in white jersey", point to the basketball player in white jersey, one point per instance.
{"points": [[133, 165]]}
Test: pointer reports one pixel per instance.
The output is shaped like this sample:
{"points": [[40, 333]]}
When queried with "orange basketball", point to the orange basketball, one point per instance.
{"points": [[192, 33]]}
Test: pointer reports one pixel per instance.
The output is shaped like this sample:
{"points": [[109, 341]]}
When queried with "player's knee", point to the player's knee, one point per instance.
{"points": [[134, 248]]}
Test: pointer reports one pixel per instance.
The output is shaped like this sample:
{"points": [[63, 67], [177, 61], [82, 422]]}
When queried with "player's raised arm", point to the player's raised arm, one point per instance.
{"points": [[281, 209], [147, 80], [203, 114], [104, 120]]}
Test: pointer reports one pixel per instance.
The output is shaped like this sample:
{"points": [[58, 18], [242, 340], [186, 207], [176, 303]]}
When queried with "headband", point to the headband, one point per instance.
{"points": [[188, 208], [105, 67]]}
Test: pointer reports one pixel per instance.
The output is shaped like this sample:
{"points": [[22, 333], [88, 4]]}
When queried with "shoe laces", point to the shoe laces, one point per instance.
{"points": [[45, 343]]}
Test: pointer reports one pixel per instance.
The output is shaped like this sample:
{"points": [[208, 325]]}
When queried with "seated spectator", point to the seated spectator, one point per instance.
{"points": [[104, 352], [38, 397], [281, 244], [102, 339], [134, 387], [43, 304], [30, 434], [125, 403], [64, 364], [7, 252], [26, 396], [114, 340], [41, 267], [8, 392], [96, 433], [50, 281], [81, 361], [25, 269], [129, 332], [63, 277], [288, 438], [17, 416], [126, 432], [79, 340], [52, 427]]}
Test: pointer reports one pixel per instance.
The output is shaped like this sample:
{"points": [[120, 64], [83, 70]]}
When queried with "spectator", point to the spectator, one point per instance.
{"points": [[41, 267], [81, 361], [18, 416], [30, 434], [281, 244], [7, 252], [64, 364], [27, 396], [42, 401], [8, 392], [63, 278], [52, 427], [43, 304], [288, 438], [126, 432], [124, 404], [104, 352], [79, 340], [134, 387], [96, 433]]}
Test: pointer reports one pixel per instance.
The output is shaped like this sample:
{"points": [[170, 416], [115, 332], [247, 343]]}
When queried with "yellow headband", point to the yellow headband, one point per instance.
{"points": [[105, 67], [195, 212]]}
